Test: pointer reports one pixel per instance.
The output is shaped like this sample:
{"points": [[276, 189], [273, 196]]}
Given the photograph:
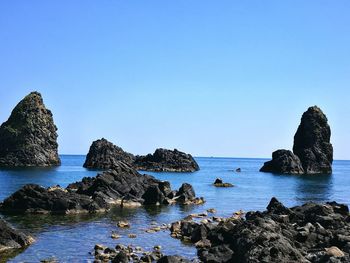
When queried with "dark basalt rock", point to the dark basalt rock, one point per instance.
{"points": [[121, 186], [11, 238], [219, 183], [28, 137], [163, 160], [104, 155], [173, 259], [312, 150], [283, 161], [35, 199], [312, 142], [309, 233]]}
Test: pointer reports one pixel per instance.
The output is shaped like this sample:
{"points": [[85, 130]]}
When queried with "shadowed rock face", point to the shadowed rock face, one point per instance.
{"points": [[163, 160], [121, 186], [312, 150], [312, 142], [11, 238], [312, 233], [105, 155], [28, 137], [283, 161]]}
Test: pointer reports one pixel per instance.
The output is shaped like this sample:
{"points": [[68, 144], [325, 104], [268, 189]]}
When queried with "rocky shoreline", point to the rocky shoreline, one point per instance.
{"points": [[122, 186], [307, 233]]}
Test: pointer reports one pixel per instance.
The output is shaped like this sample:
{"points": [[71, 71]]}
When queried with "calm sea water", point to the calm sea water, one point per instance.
{"points": [[72, 238]]}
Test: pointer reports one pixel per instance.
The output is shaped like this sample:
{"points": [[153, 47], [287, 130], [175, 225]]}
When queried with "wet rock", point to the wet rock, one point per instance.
{"points": [[284, 162], [33, 198], [123, 224], [308, 233], [219, 183], [105, 155], [122, 186], [173, 259], [29, 137], [238, 170], [11, 238], [312, 142], [163, 160]]}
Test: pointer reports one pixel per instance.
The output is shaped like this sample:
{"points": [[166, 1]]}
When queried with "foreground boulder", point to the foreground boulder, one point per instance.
{"points": [[11, 238], [104, 155], [312, 142], [284, 162], [308, 233], [29, 137], [122, 186], [163, 160], [312, 150]]}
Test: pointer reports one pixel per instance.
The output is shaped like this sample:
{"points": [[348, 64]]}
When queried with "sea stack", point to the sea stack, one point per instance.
{"points": [[312, 150], [29, 137], [163, 160], [105, 155], [312, 142]]}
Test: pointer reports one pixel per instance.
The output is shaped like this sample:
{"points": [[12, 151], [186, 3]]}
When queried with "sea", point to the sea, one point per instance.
{"points": [[72, 238]]}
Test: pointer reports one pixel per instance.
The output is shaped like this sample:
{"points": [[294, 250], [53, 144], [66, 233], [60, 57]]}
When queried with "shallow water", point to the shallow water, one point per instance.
{"points": [[71, 238]]}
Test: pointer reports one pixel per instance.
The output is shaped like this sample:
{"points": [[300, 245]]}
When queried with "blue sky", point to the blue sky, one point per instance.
{"points": [[213, 78]]}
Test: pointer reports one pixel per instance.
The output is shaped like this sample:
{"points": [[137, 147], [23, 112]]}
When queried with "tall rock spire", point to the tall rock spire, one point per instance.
{"points": [[29, 137]]}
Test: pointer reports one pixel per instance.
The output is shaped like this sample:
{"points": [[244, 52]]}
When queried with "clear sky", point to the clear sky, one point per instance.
{"points": [[212, 78]]}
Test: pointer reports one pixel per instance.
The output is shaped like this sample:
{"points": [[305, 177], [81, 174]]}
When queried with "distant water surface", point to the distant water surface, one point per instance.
{"points": [[71, 238]]}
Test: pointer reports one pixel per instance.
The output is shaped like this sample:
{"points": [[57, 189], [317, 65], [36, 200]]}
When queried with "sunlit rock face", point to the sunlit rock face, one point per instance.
{"points": [[29, 137]]}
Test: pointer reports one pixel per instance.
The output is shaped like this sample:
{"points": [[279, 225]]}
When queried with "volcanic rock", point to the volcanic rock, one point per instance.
{"points": [[312, 142], [163, 160], [122, 186], [284, 162], [28, 137], [312, 150], [309, 233], [105, 155], [11, 238]]}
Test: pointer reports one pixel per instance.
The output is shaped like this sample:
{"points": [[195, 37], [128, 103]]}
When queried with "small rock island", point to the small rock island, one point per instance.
{"points": [[104, 155], [163, 160], [312, 150], [29, 137]]}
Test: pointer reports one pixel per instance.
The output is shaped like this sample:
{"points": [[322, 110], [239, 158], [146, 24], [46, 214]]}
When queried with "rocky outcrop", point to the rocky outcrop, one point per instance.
{"points": [[308, 233], [312, 142], [11, 238], [312, 150], [28, 137], [284, 162], [163, 160], [104, 155], [219, 183], [122, 186]]}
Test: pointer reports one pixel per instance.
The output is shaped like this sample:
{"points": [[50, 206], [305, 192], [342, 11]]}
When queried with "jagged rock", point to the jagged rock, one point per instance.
{"points": [[11, 238], [163, 160], [312, 142], [309, 233], [284, 162], [105, 155], [312, 150], [33, 198], [122, 186], [29, 137]]}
